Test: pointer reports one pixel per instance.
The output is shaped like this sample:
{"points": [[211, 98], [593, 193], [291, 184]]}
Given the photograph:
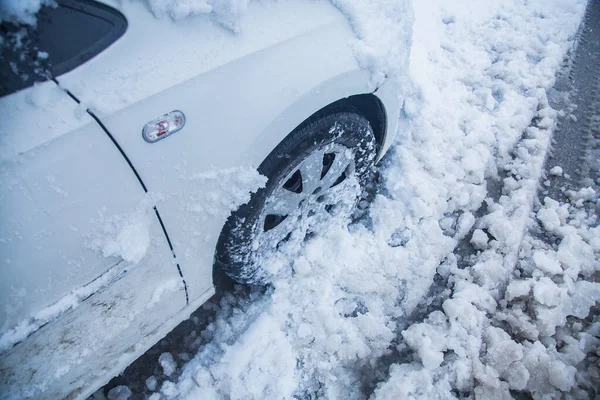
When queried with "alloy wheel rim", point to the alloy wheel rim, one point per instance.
{"points": [[307, 196]]}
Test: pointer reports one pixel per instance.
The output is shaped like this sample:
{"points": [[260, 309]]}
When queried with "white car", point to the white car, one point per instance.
{"points": [[122, 169]]}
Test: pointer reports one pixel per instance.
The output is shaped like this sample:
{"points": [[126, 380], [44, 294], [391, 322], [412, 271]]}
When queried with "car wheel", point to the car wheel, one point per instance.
{"points": [[314, 175]]}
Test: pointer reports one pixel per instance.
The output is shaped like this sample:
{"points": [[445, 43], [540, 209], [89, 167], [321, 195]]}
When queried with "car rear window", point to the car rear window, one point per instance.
{"points": [[66, 35]]}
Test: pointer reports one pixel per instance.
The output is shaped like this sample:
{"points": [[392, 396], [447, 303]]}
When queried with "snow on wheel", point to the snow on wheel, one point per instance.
{"points": [[314, 176]]}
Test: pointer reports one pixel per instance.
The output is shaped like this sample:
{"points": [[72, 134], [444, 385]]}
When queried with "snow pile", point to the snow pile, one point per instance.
{"points": [[524, 328], [226, 12], [384, 30], [517, 318], [377, 47], [316, 329]]}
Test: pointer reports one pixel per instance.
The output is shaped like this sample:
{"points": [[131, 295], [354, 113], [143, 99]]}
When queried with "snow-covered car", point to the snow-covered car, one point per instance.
{"points": [[129, 140]]}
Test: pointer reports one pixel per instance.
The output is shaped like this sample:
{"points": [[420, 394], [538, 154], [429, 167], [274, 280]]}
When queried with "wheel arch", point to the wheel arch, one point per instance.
{"points": [[351, 90], [367, 105], [360, 107]]}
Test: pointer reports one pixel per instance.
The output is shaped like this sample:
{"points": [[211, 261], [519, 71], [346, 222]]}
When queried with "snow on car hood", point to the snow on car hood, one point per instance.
{"points": [[227, 12]]}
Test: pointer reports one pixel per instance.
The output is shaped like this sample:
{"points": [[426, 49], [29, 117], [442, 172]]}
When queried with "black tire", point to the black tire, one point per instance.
{"points": [[234, 254]]}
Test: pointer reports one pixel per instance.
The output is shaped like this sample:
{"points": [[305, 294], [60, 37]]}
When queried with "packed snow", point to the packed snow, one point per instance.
{"points": [[512, 315], [125, 236]]}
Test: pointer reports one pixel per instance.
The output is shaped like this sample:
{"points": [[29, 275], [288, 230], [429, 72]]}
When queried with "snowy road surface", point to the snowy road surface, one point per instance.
{"points": [[475, 273]]}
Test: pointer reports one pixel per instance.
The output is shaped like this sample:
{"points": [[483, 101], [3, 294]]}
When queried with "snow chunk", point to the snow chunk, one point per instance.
{"points": [[43, 95], [169, 389], [409, 382], [547, 292], [551, 215], [502, 352], [429, 340], [384, 29], [578, 197], [557, 171], [561, 376], [119, 393], [167, 363], [547, 263], [518, 288], [126, 236], [479, 240], [151, 383]]}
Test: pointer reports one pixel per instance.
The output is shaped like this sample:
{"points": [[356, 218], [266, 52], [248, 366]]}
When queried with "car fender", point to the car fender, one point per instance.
{"points": [[235, 115]]}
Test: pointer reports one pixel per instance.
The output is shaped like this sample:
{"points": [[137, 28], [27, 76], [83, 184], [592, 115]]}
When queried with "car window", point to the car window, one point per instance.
{"points": [[66, 35]]}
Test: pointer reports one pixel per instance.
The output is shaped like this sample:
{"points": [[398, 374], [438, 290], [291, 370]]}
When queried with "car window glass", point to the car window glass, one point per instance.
{"points": [[65, 36]]}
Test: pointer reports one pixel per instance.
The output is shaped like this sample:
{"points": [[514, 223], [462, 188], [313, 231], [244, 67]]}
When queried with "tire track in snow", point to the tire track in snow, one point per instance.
{"points": [[577, 95], [538, 303]]}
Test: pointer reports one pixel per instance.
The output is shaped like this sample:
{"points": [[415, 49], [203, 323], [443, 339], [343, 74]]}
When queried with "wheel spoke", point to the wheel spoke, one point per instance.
{"points": [[304, 193], [283, 202], [310, 169], [335, 171], [279, 232]]}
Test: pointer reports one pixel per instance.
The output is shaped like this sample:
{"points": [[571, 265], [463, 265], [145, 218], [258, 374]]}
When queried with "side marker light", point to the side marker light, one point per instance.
{"points": [[164, 126]]}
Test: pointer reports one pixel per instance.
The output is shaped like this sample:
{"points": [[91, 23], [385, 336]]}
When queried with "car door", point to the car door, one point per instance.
{"points": [[86, 271]]}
